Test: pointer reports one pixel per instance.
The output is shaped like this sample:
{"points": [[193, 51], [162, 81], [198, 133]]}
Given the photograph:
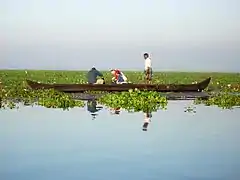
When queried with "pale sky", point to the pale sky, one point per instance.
{"points": [[181, 35]]}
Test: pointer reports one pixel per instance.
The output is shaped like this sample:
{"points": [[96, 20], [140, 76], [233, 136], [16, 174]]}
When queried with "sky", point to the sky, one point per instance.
{"points": [[180, 35]]}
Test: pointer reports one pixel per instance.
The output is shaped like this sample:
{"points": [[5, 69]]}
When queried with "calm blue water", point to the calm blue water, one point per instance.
{"points": [[46, 144]]}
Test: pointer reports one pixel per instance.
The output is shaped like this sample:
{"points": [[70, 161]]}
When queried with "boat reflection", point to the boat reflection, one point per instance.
{"points": [[147, 120], [93, 108]]}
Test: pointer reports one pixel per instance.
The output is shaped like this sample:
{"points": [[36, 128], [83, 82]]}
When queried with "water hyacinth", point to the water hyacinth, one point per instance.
{"points": [[47, 98], [135, 101], [14, 86], [223, 100]]}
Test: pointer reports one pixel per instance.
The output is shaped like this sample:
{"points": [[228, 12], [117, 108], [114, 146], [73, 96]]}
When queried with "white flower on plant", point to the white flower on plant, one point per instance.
{"points": [[229, 85], [26, 72], [217, 83]]}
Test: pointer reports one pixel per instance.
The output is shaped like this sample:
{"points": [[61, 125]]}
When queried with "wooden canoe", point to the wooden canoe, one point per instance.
{"points": [[74, 88]]}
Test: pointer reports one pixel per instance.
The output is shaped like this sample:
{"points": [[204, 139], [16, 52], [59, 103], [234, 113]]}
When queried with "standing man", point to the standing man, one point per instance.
{"points": [[92, 76], [148, 68]]}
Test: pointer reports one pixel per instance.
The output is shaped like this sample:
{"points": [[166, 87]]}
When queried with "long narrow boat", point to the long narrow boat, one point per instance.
{"points": [[74, 88]]}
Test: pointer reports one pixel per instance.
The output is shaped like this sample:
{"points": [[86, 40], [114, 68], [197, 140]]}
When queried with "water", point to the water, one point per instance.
{"points": [[45, 144]]}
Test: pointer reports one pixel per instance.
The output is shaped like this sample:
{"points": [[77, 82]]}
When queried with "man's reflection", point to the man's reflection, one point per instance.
{"points": [[92, 108], [147, 120]]}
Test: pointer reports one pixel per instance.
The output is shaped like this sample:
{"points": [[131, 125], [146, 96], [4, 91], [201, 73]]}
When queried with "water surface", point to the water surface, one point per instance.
{"points": [[45, 144]]}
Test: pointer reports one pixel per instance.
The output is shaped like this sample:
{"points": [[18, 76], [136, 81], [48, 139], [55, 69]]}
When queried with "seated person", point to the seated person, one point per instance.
{"points": [[92, 77], [118, 77]]}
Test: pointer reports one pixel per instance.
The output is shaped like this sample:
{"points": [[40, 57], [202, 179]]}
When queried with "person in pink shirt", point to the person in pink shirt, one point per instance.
{"points": [[118, 76]]}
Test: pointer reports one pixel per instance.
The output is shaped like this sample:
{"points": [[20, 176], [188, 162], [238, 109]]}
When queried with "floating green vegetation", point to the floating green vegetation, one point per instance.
{"points": [[14, 88], [219, 81], [225, 100], [135, 101], [47, 98]]}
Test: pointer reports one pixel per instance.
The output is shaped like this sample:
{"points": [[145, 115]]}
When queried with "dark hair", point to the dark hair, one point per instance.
{"points": [[145, 54], [93, 68]]}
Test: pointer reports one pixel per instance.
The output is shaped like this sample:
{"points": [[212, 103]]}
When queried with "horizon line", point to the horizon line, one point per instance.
{"points": [[126, 70]]}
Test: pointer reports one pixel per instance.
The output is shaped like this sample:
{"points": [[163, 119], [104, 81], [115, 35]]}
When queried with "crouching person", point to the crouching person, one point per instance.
{"points": [[118, 77], [92, 77]]}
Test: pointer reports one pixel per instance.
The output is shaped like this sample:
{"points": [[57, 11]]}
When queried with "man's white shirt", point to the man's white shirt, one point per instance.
{"points": [[148, 63]]}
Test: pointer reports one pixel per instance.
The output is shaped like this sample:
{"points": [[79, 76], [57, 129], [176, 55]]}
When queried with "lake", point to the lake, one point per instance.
{"points": [[46, 144]]}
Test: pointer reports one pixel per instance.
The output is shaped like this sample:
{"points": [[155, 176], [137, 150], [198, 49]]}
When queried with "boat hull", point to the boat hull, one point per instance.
{"points": [[72, 88]]}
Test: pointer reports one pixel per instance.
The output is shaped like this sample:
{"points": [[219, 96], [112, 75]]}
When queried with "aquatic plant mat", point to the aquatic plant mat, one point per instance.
{"points": [[223, 90], [169, 96]]}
